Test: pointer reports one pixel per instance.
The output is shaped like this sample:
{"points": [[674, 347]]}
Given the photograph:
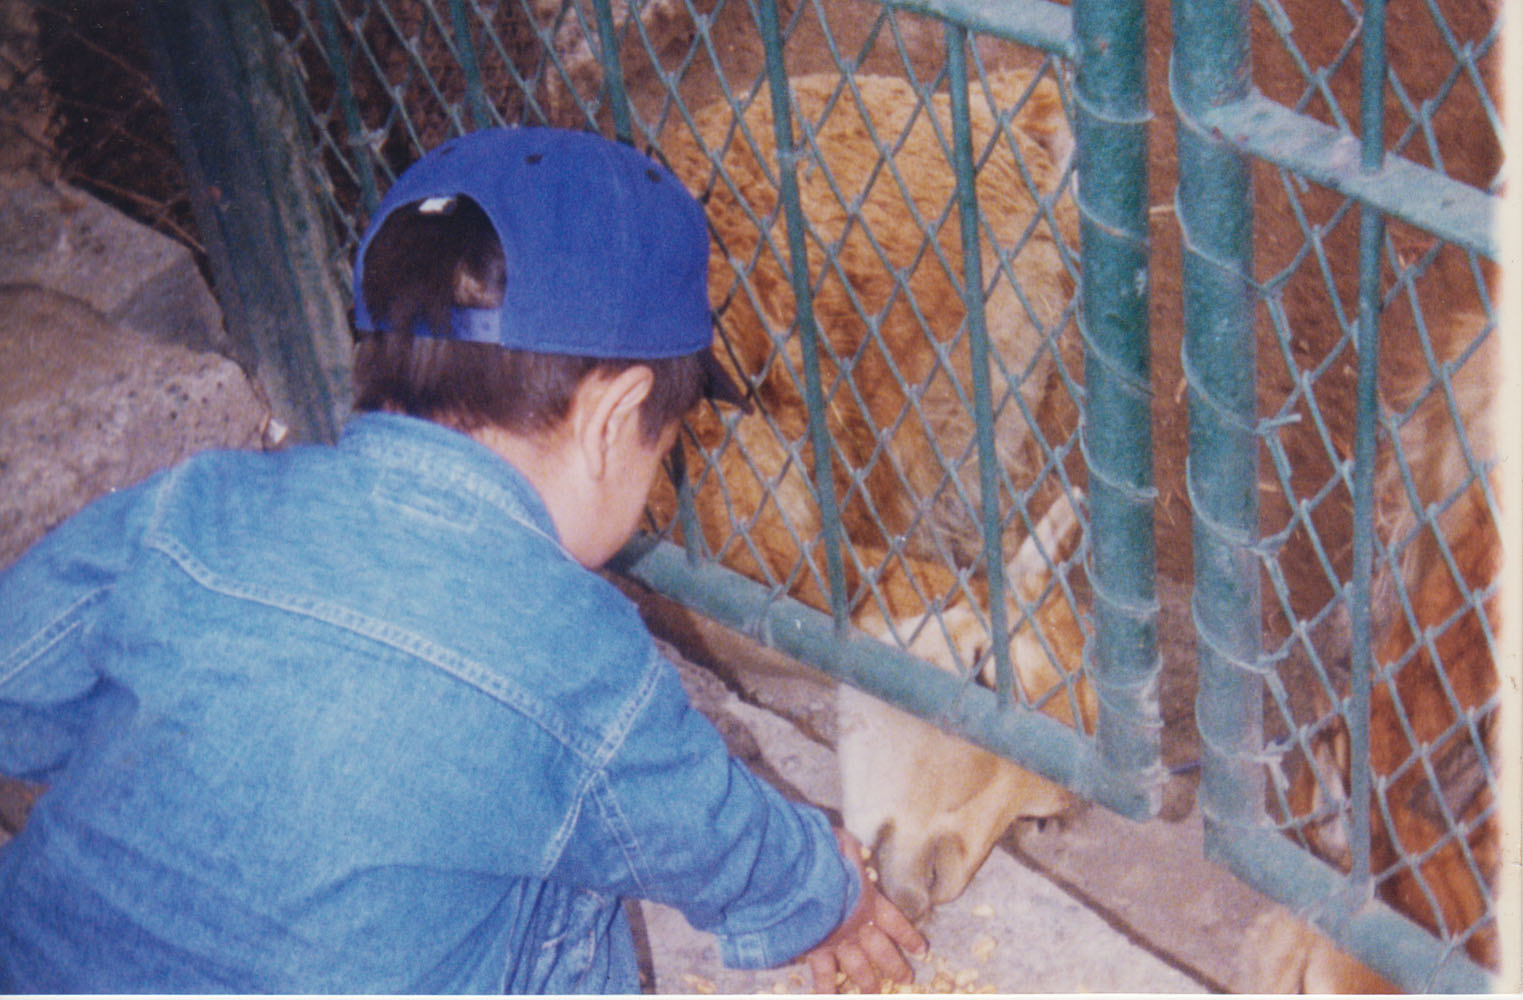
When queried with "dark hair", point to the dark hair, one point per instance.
{"points": [[422, 264]]}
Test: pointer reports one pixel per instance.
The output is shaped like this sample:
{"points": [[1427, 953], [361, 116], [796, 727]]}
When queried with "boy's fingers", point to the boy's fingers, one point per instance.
{"points": [[885, 955], [892, 921], [822, 969], [857, 966]]}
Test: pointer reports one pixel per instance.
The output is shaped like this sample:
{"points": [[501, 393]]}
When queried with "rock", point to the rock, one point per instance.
{"points": [[88, 405], [62, 239]]}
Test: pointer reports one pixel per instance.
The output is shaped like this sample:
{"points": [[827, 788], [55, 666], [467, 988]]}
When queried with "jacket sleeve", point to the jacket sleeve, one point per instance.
{"points": [[49, 602], [673, 818]]}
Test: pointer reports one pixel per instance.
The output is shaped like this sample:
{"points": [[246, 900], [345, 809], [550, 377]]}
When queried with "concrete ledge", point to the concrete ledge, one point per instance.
{"points": [[1145, 888]]}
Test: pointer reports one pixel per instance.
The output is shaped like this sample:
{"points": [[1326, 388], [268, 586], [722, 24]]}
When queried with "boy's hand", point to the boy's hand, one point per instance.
{"points": [[867, 946]]}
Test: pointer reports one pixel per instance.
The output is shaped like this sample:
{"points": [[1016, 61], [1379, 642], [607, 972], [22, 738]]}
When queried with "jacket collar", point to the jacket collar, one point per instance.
{"points": [[444, 458]]}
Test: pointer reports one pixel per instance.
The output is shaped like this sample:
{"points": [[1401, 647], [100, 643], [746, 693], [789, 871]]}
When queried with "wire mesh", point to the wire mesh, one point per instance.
{"points": [[884, 265], [381, 81], [1380, 685], [376, 83]]}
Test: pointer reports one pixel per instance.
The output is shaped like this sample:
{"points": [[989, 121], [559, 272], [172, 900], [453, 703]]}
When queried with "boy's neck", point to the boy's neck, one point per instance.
{"points": [[594, 469], [545, 461]]}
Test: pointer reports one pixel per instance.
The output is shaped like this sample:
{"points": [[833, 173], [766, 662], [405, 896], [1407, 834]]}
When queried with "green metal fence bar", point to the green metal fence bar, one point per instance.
{"points": [[803, 298], [1367, 335], [1362, 661], [1221, 126], [1400, 189], [1211, 66], [354, 124], [613, 71], [1387, 941], [1037, 23], [225, 83], [465, 47], [1111, 122], [687, 506], [215, 65], [978, 357], [1028, 737]]}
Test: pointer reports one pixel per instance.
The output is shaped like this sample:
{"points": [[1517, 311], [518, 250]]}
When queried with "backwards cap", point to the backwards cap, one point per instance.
{"points": [[606, 253]]}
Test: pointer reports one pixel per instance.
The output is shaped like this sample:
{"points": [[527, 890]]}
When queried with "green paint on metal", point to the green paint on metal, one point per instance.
{"points": [[354, 125], [1400, 189], [1377, 935], [1111, 131], [1032, 739], [687, 505], [1372, 77], [1042, 25], [465, 48], [978, 357], [1214, 200], [613, 71], [1366, 418], [254, 204], [803, 296], [224, 88], [1362, 660]]}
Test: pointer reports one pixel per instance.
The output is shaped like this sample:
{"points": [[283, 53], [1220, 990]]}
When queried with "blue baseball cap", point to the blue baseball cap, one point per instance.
{"points": [[606, 252]]}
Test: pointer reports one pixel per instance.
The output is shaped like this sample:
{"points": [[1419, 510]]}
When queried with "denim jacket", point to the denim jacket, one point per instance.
{"points": [[349, 719]]}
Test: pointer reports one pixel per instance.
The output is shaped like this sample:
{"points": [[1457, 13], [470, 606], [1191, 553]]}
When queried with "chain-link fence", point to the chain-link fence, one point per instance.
{"points": [[898, 241], [1346, 479], [909, 440]]}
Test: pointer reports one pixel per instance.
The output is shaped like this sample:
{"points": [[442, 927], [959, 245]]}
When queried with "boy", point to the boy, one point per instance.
{"points": [[361, 718]]}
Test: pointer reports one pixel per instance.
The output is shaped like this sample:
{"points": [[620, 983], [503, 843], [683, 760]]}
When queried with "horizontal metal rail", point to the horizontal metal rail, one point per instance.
{"points": [[1389, 943], [1037, 23], [1399, 188], [1026, 736]]}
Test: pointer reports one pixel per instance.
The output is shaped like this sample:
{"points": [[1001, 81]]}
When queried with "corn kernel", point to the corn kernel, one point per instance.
{"points": [[984, 947]]}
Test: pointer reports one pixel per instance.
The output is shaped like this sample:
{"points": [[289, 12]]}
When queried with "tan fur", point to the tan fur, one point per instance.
{"points": [[900, 511], [933, 805], [1415, 694], [1287, 956], [756, 302]]}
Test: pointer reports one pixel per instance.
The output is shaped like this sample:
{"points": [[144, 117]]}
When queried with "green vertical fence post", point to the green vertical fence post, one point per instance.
{"points": [[1210, 66], [613, 71], [470, 67], [803, 299], [218, 72], [1371, 236], [1210, 85], [978, 355], [354, 124], [1111, 130]]}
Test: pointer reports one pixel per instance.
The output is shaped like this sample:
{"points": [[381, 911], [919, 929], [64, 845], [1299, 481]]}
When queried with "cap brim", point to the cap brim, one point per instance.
{"points": [[719, 386]]}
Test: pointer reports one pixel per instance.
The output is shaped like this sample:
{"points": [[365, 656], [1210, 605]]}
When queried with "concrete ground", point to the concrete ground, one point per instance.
{"points": [[1013, 931], [108, 370], [1091, 903]]}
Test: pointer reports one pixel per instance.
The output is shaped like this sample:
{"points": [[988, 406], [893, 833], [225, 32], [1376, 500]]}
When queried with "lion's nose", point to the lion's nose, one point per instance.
{"points": [[916, 877]]}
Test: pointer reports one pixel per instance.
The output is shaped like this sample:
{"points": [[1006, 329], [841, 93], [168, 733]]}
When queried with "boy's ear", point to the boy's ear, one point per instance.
{"points": [[607, 411]]}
